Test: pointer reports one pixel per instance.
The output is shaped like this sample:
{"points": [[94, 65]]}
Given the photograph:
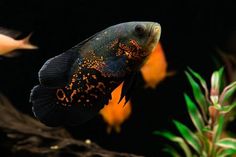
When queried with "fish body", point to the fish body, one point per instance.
{"points": [[9, 44], [76, 84]]}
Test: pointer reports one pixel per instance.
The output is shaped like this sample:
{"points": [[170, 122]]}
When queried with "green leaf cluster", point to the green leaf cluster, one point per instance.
{"points": [[207, 112]]}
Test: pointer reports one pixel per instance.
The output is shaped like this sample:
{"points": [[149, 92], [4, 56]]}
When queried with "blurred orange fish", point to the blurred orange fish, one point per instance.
{"points": [[115, 114], [153, 72], [155, 68], [8, 44]]}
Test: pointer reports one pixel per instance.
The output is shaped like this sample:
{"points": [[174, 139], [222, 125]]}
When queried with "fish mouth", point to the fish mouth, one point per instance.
{"points": [[154, 36], [152, 40]]}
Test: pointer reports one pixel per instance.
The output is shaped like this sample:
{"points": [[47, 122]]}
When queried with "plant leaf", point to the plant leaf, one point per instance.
{"points": [[227, 92], [218, 128], [226, 152], [206, 146], [215, 82], [202, 81], [228, 108], [198, 95], [194, 114], [171, 151], [176, 139], [189, 136], [221, 72], [227, 143]]}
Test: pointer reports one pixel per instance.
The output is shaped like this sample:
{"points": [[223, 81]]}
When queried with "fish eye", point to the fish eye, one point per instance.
{"points": [[139, 29]]}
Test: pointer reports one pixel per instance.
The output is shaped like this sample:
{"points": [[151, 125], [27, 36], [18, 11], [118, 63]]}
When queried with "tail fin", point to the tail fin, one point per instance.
{"points": [[26, 43], [44, 106], [50, 112]]}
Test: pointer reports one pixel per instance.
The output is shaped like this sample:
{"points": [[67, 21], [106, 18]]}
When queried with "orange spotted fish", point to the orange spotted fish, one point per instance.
{"points": [[114, 114], [155, 68], [75, 85], [8, 44]]}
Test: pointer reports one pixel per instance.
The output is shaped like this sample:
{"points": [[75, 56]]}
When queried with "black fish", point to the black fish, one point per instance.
{"points": [[76, 84]]}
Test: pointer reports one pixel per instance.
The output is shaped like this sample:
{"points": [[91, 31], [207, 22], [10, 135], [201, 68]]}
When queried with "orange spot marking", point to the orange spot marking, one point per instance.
{"points": [[60, 94], [97, 65], [89, 87], [84, 77], [73, 80], [128, 54], [100, 85], [114, 43], [124, 47], [133, 42], [119, 52], [75, 75], [94, 77], [127, 50], [72, 94], [70, 85]]}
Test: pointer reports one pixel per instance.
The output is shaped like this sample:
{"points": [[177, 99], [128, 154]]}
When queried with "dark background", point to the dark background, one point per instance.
{"points": [[190, 32]]}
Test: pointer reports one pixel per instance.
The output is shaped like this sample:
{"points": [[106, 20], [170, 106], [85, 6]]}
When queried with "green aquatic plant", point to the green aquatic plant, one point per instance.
{"points": [[208, 114]]}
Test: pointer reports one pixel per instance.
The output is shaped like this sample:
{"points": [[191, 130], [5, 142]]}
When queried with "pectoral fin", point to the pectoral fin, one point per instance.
{"points": [[128, 87]]}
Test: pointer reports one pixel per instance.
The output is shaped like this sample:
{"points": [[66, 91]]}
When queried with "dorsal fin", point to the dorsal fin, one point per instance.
{"points": [[84, 41], [55, 71]]}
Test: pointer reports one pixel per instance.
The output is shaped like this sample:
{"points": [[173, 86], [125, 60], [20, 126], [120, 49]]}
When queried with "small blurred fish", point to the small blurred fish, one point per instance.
{"points": [[75, 85], [8, 43], [153, 71], [114, 114], [155, 68]]}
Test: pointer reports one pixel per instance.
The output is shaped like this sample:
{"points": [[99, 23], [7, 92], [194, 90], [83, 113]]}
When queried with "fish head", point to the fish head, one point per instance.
{"points": [[137, 40]]}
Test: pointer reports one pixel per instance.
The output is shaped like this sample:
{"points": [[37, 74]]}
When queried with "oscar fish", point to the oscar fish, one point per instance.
{"points": [[75, 85]]}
